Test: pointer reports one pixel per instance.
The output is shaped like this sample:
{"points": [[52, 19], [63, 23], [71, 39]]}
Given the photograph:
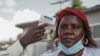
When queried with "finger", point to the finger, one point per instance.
{"points": [[42, 26], [38, 39], [39, 31], [40, 34]]}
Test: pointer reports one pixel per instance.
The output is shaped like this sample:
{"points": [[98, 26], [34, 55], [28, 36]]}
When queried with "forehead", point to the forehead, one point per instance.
{"points": [[71, 19]]}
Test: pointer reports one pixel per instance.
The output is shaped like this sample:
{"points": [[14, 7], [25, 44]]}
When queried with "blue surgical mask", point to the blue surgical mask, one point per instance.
{"points": [[72, 50]]}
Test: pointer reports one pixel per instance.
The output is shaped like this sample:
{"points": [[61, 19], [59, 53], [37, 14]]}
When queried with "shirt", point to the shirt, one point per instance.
{"points": [[87, 52], [17, 50]]}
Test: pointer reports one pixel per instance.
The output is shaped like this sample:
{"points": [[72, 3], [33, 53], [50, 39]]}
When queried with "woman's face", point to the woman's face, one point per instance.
{"points": [[70, 30]]}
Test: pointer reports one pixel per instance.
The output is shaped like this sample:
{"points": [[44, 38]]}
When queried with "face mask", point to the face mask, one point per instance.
{"points": [[72, 50]]}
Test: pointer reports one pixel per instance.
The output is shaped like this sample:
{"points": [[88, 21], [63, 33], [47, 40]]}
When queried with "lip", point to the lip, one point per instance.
{"points": [[68, 42], [68, 39]]}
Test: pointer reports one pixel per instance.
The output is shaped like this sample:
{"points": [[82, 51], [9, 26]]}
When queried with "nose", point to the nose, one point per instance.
{"points": [[68, 31]]}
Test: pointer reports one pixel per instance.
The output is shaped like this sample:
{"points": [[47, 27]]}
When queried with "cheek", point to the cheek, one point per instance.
{"points": [[78, 35]]}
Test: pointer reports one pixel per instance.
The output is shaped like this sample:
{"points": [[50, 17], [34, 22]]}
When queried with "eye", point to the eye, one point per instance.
{"points": [[63, 27], [75, 26]]}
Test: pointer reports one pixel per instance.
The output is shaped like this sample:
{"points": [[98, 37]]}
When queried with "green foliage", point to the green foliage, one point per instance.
{"points": [[77, 4]]}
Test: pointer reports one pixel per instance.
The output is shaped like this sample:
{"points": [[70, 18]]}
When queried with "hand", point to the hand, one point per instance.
{"points": [[33, 35]]}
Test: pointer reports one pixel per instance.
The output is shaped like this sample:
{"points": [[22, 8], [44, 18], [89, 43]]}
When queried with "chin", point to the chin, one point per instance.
{"points": [[68, 44]]}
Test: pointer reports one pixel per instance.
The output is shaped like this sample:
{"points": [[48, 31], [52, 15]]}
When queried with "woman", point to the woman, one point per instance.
{"points": [[74, 35]]}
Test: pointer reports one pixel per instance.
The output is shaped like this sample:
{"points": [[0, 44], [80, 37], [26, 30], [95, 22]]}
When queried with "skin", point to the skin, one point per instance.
{"points": [[33, 35], [70, 30]]}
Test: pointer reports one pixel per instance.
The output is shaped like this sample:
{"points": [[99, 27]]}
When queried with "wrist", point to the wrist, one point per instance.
{"points": [[23, 43]]}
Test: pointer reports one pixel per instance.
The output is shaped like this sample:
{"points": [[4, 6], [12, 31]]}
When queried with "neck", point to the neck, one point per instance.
{"points": [[79, 53]]}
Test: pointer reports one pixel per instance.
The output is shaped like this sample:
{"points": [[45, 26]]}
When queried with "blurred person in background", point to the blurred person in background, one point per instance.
{"points": [[50, 40], [72, 31]]}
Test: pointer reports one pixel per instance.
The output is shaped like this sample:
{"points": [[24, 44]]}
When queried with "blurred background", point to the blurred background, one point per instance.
{"points": [[17, 15]]}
